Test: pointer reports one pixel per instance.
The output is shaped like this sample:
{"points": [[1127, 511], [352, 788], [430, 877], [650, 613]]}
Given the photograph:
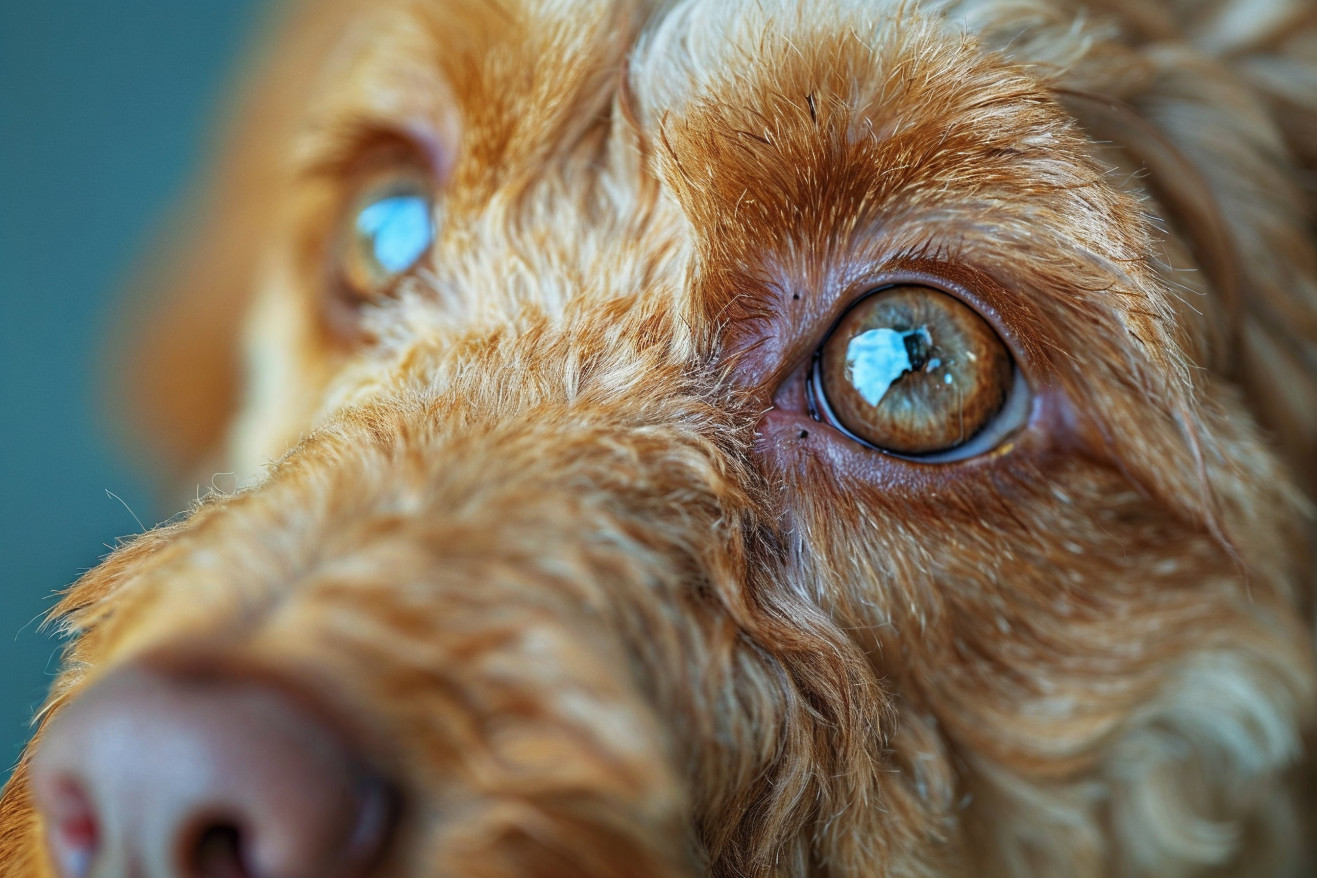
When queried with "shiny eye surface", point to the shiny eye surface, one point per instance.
{"points": [[387, 231], [914, 371]]}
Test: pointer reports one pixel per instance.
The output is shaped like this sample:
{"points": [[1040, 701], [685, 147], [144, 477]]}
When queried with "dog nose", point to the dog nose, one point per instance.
{"points": [[158, 774]]}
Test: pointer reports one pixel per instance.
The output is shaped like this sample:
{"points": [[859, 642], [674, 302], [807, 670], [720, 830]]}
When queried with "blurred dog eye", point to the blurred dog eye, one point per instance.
{"points": [[388, 230], [914, 371]]}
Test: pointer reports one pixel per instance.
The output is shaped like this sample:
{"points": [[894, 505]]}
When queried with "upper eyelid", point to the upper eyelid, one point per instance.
{"points": [[335, 150], [947, 273]]}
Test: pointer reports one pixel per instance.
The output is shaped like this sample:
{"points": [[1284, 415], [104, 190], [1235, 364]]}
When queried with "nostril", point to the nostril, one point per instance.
{"points": [[74, 830], [373, 818], [216, 851], [223, 848]]}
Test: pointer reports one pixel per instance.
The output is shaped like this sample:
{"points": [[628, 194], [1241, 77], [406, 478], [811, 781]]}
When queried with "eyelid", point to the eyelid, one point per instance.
{"points": [[1006, 313], [776, 342], [972, 288], [359, 145]]}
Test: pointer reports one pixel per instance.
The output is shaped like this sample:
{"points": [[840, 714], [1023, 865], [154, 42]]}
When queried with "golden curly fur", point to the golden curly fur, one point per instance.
{"points": [[551, 526]]}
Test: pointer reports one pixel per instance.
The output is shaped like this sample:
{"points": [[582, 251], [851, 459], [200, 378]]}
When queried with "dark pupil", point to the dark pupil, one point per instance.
{"points": [[918, 344]]}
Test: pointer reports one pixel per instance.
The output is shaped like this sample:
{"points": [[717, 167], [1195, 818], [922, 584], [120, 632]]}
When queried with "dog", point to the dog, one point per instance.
{"points": [[785, 438]]}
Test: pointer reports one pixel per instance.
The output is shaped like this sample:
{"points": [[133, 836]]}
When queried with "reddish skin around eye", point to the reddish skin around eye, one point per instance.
{"points": [[958, 377]]}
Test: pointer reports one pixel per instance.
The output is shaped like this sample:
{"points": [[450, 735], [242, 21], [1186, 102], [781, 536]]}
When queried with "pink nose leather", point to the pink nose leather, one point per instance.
{"points": [[155, 774]]}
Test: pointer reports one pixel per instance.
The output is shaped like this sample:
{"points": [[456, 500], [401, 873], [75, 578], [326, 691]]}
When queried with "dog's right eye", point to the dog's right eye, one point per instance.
{"points": [[915, 372], [386, 234]]}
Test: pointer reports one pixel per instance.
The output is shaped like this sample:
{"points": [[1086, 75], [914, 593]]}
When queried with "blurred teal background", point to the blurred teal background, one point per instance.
{"points": [[104, 112]]}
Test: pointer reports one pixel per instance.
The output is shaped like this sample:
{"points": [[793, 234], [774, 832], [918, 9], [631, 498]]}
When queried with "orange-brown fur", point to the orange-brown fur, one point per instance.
{"points": [[535, 532]]}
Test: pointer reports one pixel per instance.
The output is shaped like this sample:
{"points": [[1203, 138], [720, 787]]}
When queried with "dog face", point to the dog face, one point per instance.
{"points": [[739, 441]]}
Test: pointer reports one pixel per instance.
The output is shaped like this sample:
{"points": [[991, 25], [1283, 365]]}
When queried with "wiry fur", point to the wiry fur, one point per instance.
{"points": [[550, 540]]}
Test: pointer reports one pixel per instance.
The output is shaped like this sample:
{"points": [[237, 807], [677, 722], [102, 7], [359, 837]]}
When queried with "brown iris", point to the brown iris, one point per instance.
{"points": [[913, 370]]}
